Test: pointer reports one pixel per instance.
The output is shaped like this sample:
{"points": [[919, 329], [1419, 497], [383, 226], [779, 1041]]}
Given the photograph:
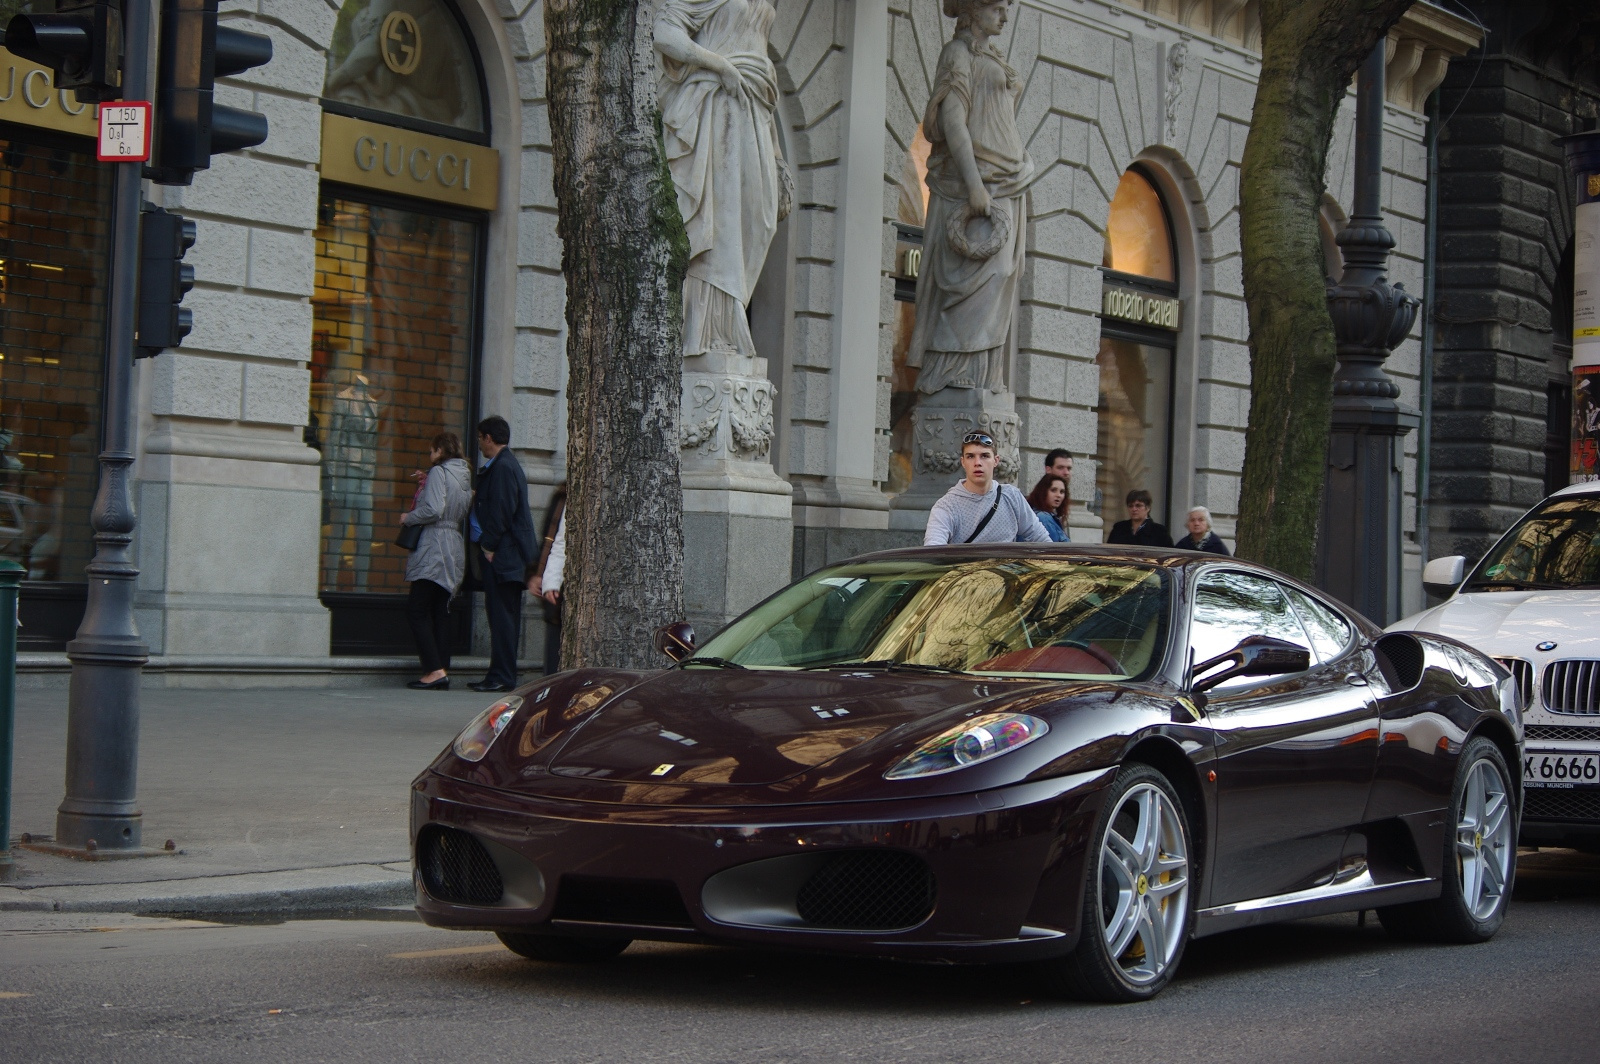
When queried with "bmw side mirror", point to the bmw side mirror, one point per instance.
{"points": [[1256, 655], [675, 640], [1442, 576]]}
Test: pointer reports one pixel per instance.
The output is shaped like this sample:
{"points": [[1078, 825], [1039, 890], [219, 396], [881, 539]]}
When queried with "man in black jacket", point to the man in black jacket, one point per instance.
{"points": [[508, 549], [1138, 529]]}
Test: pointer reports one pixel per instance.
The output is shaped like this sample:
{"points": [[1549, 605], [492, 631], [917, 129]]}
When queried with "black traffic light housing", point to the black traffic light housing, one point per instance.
{"points": [[81, 43], [164, 279], [190, 127]]}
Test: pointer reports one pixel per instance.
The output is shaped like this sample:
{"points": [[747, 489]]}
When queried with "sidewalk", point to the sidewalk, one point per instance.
{"points": [[279, 800]]}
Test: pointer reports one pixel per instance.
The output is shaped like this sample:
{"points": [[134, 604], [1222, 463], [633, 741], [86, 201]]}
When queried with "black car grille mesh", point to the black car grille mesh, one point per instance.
{"points": [[456, 868], [1522, 672], [1547, 803], [1572, 686], [1563, 732], [867, 890], [612, 900]]}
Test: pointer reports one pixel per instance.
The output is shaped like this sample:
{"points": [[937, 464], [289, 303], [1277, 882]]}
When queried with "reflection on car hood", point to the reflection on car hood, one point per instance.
{"points": [[1515, 622], [712, 727]]}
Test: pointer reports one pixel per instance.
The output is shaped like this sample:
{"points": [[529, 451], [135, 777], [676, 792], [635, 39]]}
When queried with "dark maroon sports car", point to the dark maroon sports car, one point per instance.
{"points": [[1079, 756]]}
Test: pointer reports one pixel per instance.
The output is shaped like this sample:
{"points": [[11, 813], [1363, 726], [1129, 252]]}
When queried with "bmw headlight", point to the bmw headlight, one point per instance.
{"points": [[476, 738], [969, 743]]}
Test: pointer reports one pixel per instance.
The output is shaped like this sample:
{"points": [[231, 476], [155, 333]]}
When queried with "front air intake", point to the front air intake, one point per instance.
{"points": [[456, 868], [867, 890], [1572, 686]]}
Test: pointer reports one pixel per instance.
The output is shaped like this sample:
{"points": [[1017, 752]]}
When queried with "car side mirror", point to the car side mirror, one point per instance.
{"points": [[676, 640], [1442, 576], [1256, 655]]}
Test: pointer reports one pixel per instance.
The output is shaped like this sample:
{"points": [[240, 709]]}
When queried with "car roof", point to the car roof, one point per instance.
{"points": [[1166, 557], [1591, 487]]}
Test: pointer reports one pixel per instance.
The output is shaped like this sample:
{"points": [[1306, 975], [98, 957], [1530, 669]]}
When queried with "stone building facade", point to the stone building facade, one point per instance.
{"points": [[355, 296], [1502, 308]]}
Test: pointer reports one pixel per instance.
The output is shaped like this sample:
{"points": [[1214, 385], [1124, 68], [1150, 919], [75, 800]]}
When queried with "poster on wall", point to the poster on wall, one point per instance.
{"points": [[1585, 424]]}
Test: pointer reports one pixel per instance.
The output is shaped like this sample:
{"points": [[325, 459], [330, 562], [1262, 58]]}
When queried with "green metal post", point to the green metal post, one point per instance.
{"points": [[10, 582]]}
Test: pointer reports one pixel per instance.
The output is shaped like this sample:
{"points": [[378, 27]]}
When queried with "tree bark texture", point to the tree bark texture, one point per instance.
{"points": [[623, 255], [1310, 50]]}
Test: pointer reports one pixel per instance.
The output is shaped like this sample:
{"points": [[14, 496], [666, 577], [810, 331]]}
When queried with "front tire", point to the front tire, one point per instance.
{"points": [[1136, 916], [556, 949], [1480, 858]]}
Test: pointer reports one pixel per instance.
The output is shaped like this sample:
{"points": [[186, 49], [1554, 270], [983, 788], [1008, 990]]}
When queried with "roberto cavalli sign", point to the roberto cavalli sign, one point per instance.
{"points": [[1140, 308]]}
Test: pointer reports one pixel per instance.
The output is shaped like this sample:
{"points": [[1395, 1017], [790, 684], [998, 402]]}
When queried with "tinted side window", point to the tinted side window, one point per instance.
{"points": [[1231, 605], [1329, 632]]}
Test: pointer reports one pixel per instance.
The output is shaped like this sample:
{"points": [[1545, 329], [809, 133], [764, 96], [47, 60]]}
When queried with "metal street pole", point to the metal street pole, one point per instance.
{"points": [[1359, 556], [10, 582], [107, 656]]}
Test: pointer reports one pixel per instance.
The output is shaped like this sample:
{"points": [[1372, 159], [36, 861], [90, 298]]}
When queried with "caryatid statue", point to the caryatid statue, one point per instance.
{"points": [[978, 171], [717, 93]]}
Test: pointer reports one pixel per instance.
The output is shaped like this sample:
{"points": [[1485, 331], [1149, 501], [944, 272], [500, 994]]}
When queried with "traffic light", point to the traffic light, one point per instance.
{"points": [[164, 279], [190, 128], [81, 43]]}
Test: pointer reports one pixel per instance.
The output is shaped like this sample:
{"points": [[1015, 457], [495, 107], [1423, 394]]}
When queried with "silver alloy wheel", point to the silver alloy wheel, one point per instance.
{"points": [[1144, 884], [1484, 840]]}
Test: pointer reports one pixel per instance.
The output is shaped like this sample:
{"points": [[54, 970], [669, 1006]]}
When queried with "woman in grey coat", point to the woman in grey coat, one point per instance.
{"points": [[439, 561]]}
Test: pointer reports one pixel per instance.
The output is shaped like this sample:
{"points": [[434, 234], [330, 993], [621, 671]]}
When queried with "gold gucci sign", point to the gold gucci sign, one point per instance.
{"points": [[410, 164], [402, 44], [28, 97], [1594, 186]]}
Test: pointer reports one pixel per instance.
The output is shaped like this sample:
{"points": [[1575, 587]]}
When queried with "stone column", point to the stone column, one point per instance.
{"points": [[736, 511]]}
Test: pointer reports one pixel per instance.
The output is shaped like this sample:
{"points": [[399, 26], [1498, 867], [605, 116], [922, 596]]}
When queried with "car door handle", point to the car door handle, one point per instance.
{"points": [[1355, 679]]}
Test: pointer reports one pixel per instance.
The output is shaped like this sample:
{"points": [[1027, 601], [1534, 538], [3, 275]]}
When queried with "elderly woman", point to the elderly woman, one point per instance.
{"points": [[1200, 536]]}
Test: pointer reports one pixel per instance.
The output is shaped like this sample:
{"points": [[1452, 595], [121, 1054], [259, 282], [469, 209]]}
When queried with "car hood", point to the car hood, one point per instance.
{"points": [[1516, 622], [711, 727]]}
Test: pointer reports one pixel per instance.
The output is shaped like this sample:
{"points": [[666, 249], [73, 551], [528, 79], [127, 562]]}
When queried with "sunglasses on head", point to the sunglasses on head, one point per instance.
{"points": [[978, 437]]}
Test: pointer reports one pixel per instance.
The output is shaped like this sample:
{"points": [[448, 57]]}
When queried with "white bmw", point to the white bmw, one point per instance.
{"points": [[1533, 604]]}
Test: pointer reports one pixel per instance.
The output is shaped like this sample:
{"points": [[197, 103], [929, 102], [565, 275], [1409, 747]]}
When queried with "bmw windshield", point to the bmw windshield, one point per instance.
{"points": [[1555, 547], [1045, 617]]}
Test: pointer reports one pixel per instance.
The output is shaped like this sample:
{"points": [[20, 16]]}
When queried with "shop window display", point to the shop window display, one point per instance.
{"points": [[53, 245]]}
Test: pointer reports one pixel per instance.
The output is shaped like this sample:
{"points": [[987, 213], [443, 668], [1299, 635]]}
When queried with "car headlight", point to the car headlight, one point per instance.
{"points": [[476, 738], [969, 743]]}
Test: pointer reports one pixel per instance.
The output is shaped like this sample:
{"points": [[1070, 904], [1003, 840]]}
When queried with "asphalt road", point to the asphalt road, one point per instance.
{"points": [[80, 987]]}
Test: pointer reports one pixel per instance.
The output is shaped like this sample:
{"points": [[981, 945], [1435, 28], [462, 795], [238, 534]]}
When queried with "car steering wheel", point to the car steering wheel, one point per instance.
{"points": [[1094, 650]]}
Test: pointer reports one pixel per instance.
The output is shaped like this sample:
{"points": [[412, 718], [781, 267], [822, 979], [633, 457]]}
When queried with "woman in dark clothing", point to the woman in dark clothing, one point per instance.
{"points": [[1049, 500], [1200, 536], [1138, 529], [439, 560]]}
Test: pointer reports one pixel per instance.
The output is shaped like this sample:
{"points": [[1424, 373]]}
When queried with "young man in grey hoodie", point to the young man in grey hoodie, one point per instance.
{"points": [[979, 509]]}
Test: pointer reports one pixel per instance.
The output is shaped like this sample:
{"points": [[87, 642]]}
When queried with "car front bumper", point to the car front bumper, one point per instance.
{"points": [[1006, 868]]}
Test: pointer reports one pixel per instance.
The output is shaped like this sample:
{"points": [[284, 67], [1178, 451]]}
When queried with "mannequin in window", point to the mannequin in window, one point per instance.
{"points": [[977, 168], [349, 466], [718, 89]]}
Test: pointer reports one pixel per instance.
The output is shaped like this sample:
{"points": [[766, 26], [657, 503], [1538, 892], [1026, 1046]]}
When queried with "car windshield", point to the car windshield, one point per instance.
{"points": [[1556, 546], [1046, 617]]}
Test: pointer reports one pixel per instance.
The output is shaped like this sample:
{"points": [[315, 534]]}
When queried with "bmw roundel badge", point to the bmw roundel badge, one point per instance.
{"points": [[1546, 646]]}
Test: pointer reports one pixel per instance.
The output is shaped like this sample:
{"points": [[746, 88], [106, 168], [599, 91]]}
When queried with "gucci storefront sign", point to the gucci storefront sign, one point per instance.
{"points": [[1141, 308], [28, 98], [371, 155]]}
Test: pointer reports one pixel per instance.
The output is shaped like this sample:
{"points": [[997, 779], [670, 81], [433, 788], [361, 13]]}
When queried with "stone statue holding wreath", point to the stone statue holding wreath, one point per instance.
{"points": [[974, 244]]}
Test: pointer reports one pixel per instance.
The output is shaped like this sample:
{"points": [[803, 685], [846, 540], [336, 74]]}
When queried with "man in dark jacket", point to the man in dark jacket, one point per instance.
{"points": [[508, 547]]}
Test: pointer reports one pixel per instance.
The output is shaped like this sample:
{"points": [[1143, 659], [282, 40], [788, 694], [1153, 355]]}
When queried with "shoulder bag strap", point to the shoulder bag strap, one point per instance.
{"points": [[999, 493]]}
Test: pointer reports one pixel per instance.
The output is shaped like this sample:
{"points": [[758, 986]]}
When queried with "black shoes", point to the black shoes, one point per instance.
{"points": [[486, 686], [441, 684]]}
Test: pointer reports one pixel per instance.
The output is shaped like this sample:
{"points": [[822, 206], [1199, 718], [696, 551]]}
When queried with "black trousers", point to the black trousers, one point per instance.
{"points": [[428, 610], [552, 637], [503, 603]]}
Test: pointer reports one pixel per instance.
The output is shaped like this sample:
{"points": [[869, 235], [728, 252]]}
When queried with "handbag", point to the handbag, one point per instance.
{"points": [[410, 536]]}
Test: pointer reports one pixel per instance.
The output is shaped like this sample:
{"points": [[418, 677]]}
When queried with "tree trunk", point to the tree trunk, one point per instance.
{"points": [[1310, 50], [623, 255]]}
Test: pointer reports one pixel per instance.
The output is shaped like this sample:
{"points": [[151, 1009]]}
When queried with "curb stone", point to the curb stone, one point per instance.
{"points": [[352, 887]]}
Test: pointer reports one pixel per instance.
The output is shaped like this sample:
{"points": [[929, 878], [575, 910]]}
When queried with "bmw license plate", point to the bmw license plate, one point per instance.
{"points": [[1561, 768]]}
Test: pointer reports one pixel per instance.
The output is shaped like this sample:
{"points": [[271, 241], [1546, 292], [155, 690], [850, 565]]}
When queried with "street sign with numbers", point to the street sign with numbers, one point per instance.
{"points": [[124, 132]]}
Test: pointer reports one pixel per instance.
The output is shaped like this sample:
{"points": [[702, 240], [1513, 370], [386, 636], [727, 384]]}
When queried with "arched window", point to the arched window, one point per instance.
{"points": [[408, 63], [1140, 317]]}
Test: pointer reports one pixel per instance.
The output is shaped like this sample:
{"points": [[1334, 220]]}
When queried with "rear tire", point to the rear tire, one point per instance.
{"points": [[1480, 857], [557, 949], [1136, 916]]}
